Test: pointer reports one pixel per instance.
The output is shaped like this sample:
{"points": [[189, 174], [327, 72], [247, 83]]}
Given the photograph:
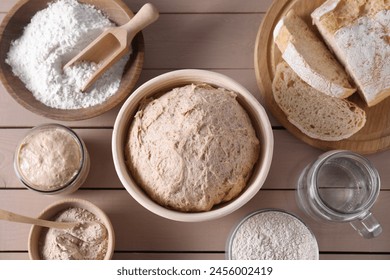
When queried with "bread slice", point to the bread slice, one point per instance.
{"points": [[309, 57], [358, 33], [317, 115]]}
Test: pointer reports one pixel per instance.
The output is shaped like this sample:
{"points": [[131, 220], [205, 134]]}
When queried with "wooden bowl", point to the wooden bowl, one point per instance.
{"points": [[12, 28], [52, 210], [164, 83]]}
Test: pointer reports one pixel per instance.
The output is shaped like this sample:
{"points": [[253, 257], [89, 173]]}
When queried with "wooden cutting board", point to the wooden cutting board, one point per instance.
{"points": [[373, 137]]}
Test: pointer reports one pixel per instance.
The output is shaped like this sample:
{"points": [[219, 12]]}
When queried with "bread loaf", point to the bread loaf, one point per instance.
{"points": [[358, 32], [309, 57], [316, 114]]}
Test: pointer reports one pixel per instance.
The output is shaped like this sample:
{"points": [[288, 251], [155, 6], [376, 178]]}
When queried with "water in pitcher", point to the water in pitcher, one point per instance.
{"points": [[344, 184], [341, 186]]}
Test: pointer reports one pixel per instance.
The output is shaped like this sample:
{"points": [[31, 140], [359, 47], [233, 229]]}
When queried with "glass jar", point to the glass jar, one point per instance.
{"points": [[272, 234], [341, 186], [52, 159]]}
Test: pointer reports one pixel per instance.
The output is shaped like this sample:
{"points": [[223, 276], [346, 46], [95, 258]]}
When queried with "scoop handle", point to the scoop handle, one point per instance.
{"points": [[145, 16], [13, 217]]}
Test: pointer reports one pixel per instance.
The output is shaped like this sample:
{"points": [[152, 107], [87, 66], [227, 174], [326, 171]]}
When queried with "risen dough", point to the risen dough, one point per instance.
{"points": [[192, 148]]}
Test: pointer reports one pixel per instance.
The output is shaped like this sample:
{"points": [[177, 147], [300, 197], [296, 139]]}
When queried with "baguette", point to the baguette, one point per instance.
{"points": [[358, 33], [309, 57], [316, 114]]}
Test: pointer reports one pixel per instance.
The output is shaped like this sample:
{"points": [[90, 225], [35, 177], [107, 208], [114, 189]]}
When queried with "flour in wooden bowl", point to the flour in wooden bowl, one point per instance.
{"points": [[54, 36]]}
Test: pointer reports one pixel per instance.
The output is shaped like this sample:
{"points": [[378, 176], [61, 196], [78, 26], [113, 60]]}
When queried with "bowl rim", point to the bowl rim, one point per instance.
{"points": [[77, 202], [187, 76], [136, 66]]}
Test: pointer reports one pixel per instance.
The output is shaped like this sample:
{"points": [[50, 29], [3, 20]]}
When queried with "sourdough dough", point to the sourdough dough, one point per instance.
{"points": [[192, 148], [49, 158]]}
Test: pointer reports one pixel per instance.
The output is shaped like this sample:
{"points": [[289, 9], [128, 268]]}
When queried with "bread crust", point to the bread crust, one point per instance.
{"points": [[309, 57], [358, 33], [315, 114]]}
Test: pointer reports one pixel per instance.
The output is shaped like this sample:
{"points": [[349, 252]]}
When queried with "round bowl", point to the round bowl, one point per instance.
{"points": [[163, 84], [12, 28], [251, 237], [53, 209], [73, 183]]}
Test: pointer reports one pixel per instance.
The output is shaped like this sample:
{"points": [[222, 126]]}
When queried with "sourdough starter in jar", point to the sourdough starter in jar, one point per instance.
{"points": [[272, 235], [51, 158]]}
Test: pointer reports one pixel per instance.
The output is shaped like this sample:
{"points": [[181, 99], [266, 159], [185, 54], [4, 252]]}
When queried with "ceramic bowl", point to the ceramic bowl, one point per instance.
{"points": [[52, 210], [163, 84], [12, 28]]}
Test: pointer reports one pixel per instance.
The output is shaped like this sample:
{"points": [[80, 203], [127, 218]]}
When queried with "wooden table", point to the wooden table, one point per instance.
{"points": [[217, 35]]}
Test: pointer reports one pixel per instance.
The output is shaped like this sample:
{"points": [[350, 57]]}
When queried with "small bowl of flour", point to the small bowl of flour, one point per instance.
{"points": [[92, 239], [272, 234], [39, 37]]}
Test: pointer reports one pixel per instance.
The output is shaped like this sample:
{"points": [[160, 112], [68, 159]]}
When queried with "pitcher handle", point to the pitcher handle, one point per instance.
{"points": [[367, 226]]}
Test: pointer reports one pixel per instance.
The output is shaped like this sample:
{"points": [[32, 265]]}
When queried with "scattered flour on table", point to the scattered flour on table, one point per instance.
{"points": [[273, 235], [83, 242], [54, 36]]}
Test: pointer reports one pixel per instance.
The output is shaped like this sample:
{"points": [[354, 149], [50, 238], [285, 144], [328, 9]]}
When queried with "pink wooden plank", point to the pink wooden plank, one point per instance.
{"points": [[201, 256], [98, 141], [290, 157], [211, 41], [6, 5], [178, 41], [187, 6], [205, 6], [137, 229], [14, 115]]}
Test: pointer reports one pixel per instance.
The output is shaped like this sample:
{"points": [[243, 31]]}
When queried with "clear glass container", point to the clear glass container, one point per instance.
{"points": [[52, 159], [341, 186], [271, 234]]}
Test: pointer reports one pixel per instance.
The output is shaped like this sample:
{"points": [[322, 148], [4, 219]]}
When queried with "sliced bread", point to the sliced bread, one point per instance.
{"points": [[317, 115], [358, 33], [309, 57]]}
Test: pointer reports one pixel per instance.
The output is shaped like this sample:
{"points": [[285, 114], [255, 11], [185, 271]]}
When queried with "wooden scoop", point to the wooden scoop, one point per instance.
{"points": [[114, 43], [12, 217]]}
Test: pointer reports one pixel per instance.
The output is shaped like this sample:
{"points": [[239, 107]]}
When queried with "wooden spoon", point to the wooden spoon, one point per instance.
{"points": [[12, 217], [114, 43]]}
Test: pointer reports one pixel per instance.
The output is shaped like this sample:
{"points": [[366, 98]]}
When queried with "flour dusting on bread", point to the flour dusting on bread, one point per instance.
{"points": [[359, 34], [309, 57]]}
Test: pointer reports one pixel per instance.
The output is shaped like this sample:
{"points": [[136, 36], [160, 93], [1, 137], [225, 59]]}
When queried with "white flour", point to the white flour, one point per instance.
{"points": [[365, 46], [84, 242], [50, 40], [273, 235]]}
